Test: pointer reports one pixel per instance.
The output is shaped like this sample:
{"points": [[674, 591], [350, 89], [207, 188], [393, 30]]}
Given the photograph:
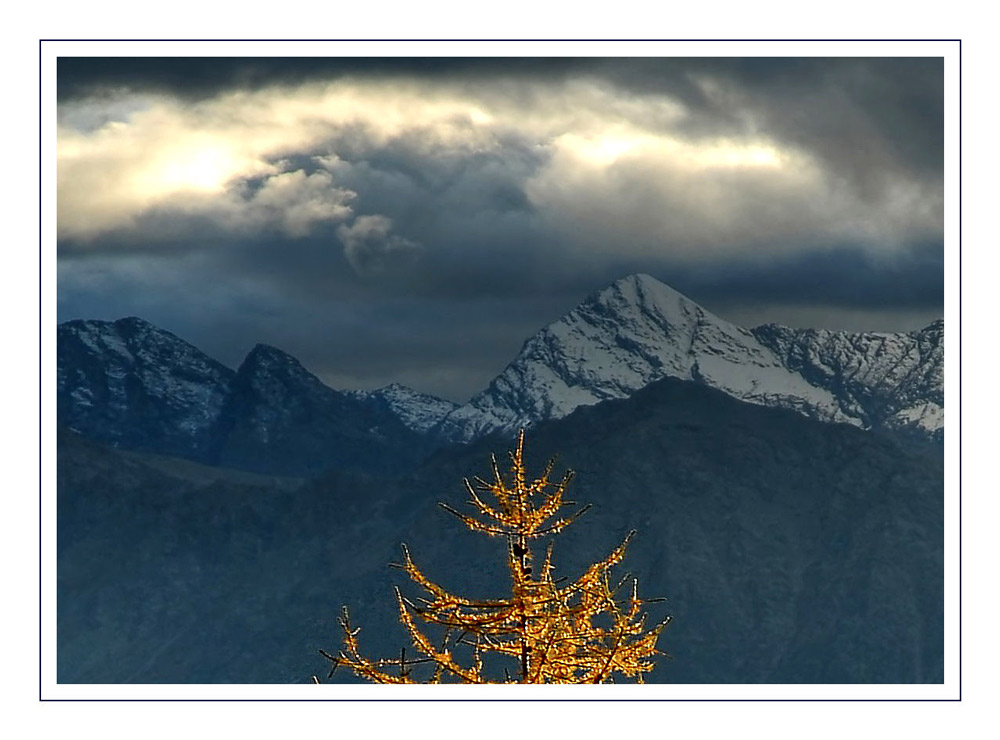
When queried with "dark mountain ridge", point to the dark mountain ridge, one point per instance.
{"points": [[790, 550], [281, 418], [132, 385]]}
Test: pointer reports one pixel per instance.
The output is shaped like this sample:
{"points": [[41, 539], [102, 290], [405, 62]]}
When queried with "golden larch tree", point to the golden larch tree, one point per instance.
{"points": [[557, 632]]}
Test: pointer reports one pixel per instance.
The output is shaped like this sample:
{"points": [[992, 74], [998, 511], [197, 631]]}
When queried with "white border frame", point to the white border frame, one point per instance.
{"points": [[949, 50]]}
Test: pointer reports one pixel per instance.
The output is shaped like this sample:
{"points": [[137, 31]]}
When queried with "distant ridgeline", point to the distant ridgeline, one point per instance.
{"points": [[202, 509], [135, 386]]}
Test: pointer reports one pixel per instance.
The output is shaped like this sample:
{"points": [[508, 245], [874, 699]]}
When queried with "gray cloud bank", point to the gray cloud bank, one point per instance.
{"points": [[416, 220]]}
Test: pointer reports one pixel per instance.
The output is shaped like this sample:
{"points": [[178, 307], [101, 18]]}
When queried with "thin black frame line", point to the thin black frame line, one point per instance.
{"points": [[41, 42], [960, 370], [406, 40], [40, 466], [944, 699]]}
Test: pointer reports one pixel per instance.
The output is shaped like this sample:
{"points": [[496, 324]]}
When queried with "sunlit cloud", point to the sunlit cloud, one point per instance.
{"points": [[648, 192], [612, 166], [299, 201], [198, 154], [608, 147], [204, 169]]}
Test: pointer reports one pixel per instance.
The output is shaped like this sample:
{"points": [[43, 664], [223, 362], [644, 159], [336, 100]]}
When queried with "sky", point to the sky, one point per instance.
{"points": [[415, 220]]}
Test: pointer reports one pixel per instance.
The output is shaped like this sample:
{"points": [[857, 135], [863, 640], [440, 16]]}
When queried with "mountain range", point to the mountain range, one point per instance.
{"points": [[132, 384], [787, 485]]}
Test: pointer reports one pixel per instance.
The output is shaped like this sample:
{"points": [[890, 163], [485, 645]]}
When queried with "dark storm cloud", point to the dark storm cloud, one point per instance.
{"points": [[810, 99], [352, 334], [200, 77], [869, 120], [846, 277]]}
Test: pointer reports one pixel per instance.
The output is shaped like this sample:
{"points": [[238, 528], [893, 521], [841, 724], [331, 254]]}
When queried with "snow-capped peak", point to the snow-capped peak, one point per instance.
{"points": [[632, 333]]}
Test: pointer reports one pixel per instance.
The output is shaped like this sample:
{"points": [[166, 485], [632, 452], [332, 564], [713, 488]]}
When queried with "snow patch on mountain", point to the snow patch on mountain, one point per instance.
{"points": [[128, 380], [887, 380], [420, 412]]}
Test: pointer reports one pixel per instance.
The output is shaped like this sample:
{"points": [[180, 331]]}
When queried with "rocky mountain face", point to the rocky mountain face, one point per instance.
{"points": [[790, 550], [129, 383], [280, 418], [885, 381], [639, 330], [133, 385]]}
